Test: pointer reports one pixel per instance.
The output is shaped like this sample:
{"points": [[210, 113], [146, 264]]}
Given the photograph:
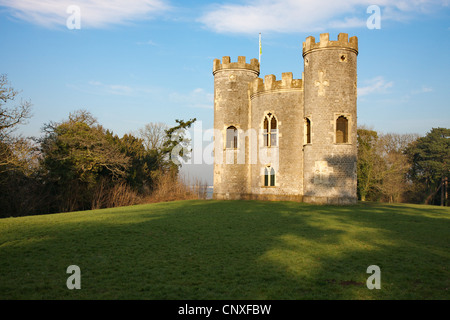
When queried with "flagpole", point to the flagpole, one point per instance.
{"points": [[260, 49]]}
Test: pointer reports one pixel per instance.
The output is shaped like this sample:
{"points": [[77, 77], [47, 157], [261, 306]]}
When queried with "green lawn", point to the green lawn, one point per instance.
{"points": [[229, 250]]}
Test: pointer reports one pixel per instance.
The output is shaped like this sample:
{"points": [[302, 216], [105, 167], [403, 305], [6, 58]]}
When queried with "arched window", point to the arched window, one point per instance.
{"points": [[269, 177], [342, 130], [232, 136], [307, 131], [270, 129]]}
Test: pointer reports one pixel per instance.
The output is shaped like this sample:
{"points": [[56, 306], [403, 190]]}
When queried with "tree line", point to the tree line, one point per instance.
{"points": [[404, 167], [77, 164]]}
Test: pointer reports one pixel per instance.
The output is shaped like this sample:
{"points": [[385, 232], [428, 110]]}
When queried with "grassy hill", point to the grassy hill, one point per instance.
{"points": [[229, 250]]}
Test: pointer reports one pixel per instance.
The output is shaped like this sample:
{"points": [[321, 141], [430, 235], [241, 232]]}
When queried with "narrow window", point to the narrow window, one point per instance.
{"points": [[266, 177], [273, 132], [270, 130], [341, 130], [231, 137], [272, 177], [269, 177], [266, 132], [307, 131]]}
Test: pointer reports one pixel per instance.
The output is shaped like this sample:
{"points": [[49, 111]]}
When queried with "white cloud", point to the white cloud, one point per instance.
{"points": [[375, 85], [146, 43], [93, 13], [197, 98], [98, 87], [424, 89], [254, 16], [116, 89]]}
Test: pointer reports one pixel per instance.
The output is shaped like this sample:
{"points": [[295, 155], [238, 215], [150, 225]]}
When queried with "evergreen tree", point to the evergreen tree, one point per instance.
{"points": [[430, 158]]}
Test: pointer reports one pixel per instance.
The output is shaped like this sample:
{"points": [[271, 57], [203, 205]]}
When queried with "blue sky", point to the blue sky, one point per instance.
{"points": [[140, 61]]}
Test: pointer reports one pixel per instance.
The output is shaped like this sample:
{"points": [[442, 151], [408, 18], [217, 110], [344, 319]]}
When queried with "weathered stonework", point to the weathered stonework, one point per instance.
{"points": [[302, 131]]}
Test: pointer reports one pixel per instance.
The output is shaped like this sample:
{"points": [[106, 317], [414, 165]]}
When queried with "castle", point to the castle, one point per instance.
{"points": [[288, 139]]}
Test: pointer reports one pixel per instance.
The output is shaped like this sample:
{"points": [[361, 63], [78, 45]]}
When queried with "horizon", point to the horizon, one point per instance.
{"points": [[131, 63]]}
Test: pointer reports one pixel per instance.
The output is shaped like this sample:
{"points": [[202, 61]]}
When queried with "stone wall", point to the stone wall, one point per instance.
{"points": [[330, 92], [322, 170], [284, 100], [231, 108]]}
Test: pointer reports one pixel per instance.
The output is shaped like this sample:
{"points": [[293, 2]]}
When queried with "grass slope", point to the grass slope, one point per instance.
{"points": [[229, 250]]}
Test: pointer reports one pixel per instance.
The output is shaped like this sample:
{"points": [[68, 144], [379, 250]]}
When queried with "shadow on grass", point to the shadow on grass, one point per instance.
{"points": [[229, 250]]}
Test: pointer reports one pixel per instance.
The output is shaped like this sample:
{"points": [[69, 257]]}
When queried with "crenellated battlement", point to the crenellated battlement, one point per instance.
{"points": [[270, 84], [288, 139], [240, 64], [325, 43]]}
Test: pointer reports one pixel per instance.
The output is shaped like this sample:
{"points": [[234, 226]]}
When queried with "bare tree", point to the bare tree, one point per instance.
{"points": [[15, 152], [154, 135], [396, 142], [392, 148], [11, 115], [19, 154]]}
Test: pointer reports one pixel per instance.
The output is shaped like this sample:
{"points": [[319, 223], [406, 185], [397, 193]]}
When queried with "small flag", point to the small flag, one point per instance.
{"points": [[260, 48]]}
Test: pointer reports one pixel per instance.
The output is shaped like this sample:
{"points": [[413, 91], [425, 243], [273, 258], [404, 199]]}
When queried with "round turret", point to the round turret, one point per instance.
{"points": [[231, 122], [330, 114]]}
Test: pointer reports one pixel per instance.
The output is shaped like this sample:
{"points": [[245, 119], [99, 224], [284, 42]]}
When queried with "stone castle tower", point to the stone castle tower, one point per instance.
{"points": [[288, 139]]}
